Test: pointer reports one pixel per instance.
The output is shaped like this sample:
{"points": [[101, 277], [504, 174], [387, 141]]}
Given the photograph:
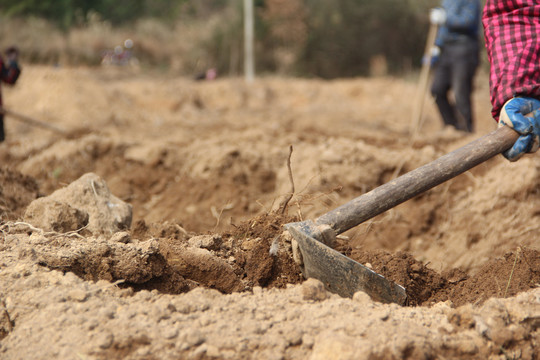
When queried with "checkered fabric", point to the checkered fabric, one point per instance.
{"points": [[512, 34]]}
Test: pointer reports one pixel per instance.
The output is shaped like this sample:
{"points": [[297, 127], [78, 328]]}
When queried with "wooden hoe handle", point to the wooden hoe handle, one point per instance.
{"points": [[419, 180], [31, 121]]}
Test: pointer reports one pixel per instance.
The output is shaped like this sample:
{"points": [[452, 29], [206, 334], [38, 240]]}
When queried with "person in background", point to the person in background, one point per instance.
{"points": [[456, 53], [9, 73], [512, 34], [210, 74]]}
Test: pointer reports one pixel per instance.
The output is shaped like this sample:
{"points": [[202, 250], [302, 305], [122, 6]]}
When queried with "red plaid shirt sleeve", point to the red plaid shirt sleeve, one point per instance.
{"points": [[512, 34]]}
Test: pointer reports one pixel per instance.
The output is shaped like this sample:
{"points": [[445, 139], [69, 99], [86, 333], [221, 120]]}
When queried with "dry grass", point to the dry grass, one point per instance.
{"points": [[180, 47]]}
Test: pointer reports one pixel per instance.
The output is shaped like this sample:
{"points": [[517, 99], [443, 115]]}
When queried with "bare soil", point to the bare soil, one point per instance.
{"points": [[204, 271]]}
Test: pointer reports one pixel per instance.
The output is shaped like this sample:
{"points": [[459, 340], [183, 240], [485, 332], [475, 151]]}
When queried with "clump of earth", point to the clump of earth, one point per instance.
{"points": [[153, 227]]}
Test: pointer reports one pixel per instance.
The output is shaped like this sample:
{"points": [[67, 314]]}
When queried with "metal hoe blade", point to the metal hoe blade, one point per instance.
{"points": [[340, 274]]}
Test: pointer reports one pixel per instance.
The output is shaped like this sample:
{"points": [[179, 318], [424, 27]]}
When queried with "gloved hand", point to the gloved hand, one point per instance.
{"points": [[512, 114], [437, 16], [434, 56], [12, 55]]}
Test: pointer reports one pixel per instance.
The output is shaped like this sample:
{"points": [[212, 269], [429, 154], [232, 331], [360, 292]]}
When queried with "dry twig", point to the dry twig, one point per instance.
{"points": [[518, 252], [286, 202]]}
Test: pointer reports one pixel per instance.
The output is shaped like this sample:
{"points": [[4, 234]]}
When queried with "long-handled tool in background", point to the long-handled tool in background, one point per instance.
{"points": [[31, 121], [344, 276], [418, 105]]}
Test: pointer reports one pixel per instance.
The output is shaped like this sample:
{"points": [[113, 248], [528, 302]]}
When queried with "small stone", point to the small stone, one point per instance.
{"points": [[185, 308], [294, 337], [480, 326], [121, 237], [257, 290], [313, 289], [143, 352], [78, 295], [127, 292], [200, 351], [105, 341], [209, 242], [91, 324], [462, 316], [416, 267], [385, 314], [191, 338], [250, 244], [170, 333], [308, 341], [107, 313], [362, 298]]}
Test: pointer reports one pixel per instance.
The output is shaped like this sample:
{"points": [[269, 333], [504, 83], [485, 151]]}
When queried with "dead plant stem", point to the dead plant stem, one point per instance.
{"points": [[284, 206], [518, 251]]}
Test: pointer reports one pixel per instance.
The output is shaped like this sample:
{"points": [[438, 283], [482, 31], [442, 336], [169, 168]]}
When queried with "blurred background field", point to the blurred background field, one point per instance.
{"points": [[307, 38]]}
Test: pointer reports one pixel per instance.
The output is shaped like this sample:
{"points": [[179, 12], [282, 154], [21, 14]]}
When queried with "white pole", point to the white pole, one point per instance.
{"points": [[249, 67]]}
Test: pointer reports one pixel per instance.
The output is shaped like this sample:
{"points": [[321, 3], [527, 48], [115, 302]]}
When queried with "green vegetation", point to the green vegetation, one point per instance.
{"points": [[325, 38], [66, 13], [347, 37]]}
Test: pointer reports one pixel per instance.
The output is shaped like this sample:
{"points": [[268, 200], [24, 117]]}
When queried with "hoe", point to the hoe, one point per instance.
{"points": [[344, 276]]}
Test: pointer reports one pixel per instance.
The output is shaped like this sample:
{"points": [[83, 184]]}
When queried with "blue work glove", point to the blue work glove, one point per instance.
{"points": [[437, 16], [435, 53], [512, 114]]}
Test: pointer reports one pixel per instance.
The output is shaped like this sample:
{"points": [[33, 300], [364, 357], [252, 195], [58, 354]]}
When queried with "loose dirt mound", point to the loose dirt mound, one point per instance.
{"points": [[500, 277], [204, 272], [252, 254]]}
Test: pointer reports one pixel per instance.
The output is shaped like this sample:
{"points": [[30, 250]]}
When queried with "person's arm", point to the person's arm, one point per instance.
{"points": [[512, 39], [512, 42]]}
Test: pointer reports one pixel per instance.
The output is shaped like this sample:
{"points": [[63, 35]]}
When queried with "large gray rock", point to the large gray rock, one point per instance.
{"points": [[64, 209]]}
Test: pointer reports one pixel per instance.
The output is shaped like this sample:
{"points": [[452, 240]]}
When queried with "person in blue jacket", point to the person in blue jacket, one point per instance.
{"points": [[456, 52]]}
